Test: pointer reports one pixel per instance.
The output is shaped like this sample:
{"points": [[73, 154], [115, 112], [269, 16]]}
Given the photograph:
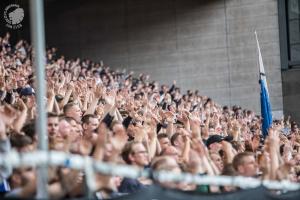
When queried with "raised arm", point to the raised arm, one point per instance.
{"points": [[97, 95], [21, 119], [67, 96], [273, 142]]}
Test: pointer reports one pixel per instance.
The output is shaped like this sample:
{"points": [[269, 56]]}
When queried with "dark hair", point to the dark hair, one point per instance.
{"points": [[127, 150], [174, 138], [86, 118], [19, 141], [248, 146], [281, 149], [225, 108], [29, 130], [228, 170], [51, 114], [162, 135]]}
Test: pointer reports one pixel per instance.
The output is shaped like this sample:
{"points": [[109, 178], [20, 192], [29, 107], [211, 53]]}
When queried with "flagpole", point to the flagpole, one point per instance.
{"points": [[255, 33], [266, 110]]}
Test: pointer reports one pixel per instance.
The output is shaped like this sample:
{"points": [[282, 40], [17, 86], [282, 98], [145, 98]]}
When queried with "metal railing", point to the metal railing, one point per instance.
{"points": [[14, 159]]}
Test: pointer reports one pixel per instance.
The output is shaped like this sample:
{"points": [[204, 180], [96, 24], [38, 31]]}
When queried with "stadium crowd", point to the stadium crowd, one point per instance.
{"points": [[116, 117]]}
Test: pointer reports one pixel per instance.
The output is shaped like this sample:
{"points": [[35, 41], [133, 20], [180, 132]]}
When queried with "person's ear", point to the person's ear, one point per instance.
{"points": [[175, 143], [240, 169], [131, 157], [16, 178], [84, 126]]}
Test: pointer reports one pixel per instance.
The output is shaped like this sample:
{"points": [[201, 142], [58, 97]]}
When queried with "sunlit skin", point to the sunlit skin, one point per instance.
{"points": [[64, 130], [164, 143], [52, 126], [249, 168], [74, 112], [91, 126], [172, 151], [216, 158], [139, 155]]}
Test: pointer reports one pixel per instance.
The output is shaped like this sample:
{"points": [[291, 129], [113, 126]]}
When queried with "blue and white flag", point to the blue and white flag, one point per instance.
{"points": [[266, 110]]}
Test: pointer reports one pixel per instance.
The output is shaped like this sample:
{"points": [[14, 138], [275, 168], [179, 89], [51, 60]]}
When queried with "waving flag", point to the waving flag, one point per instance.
{"points": [[266, 110]]}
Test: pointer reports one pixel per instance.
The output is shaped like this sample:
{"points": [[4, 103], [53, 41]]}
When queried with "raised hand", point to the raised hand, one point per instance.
{"points": [[68, 77], [169, 116], [8, 114], [182, 117], [70, 86], [273, 134], [138, 133], [195, 119], [50, 91], [111, 98], [118, 141], [21, 105], [100, 90]]}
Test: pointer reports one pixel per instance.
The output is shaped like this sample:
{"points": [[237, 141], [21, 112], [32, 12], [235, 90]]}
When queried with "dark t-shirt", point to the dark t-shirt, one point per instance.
{"points": [[129, 185]]}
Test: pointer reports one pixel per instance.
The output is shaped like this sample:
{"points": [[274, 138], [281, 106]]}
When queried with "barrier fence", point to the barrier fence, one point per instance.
{"points": [[14, 159]]}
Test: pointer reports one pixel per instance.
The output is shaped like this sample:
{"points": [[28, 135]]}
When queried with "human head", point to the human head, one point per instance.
{"points": [[22, 143], [245, 164], [75, 130], [29, 130], [135, 153], [167, 163], [90, 123], [170, 151], [73, 110], [213, 143], [163, 140], [118, 128], [52, 124], [64, 129], [177, 140], [294, 127], [27, 91], [216, 158], [21, 82], [21, 176]]}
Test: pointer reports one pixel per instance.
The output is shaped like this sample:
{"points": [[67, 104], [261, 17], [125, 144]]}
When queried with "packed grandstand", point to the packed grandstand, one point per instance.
{"points": [[119, 117]]}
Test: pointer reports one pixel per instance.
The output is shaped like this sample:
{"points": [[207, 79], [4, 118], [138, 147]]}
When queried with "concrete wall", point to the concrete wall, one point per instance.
{"points": [[291, 93], [204, 44]]}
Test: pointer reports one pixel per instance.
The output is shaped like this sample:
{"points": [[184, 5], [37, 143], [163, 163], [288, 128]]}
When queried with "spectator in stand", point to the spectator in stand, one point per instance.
{"points": [[245, 164], [134, 153]]}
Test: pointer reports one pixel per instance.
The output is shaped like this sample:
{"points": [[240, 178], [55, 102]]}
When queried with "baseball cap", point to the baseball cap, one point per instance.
{"points": [[27, 91], [217, 139], [214, 139]]}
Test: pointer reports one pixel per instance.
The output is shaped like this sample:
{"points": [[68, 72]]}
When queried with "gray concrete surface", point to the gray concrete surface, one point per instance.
{"points": [[207, 45]]}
